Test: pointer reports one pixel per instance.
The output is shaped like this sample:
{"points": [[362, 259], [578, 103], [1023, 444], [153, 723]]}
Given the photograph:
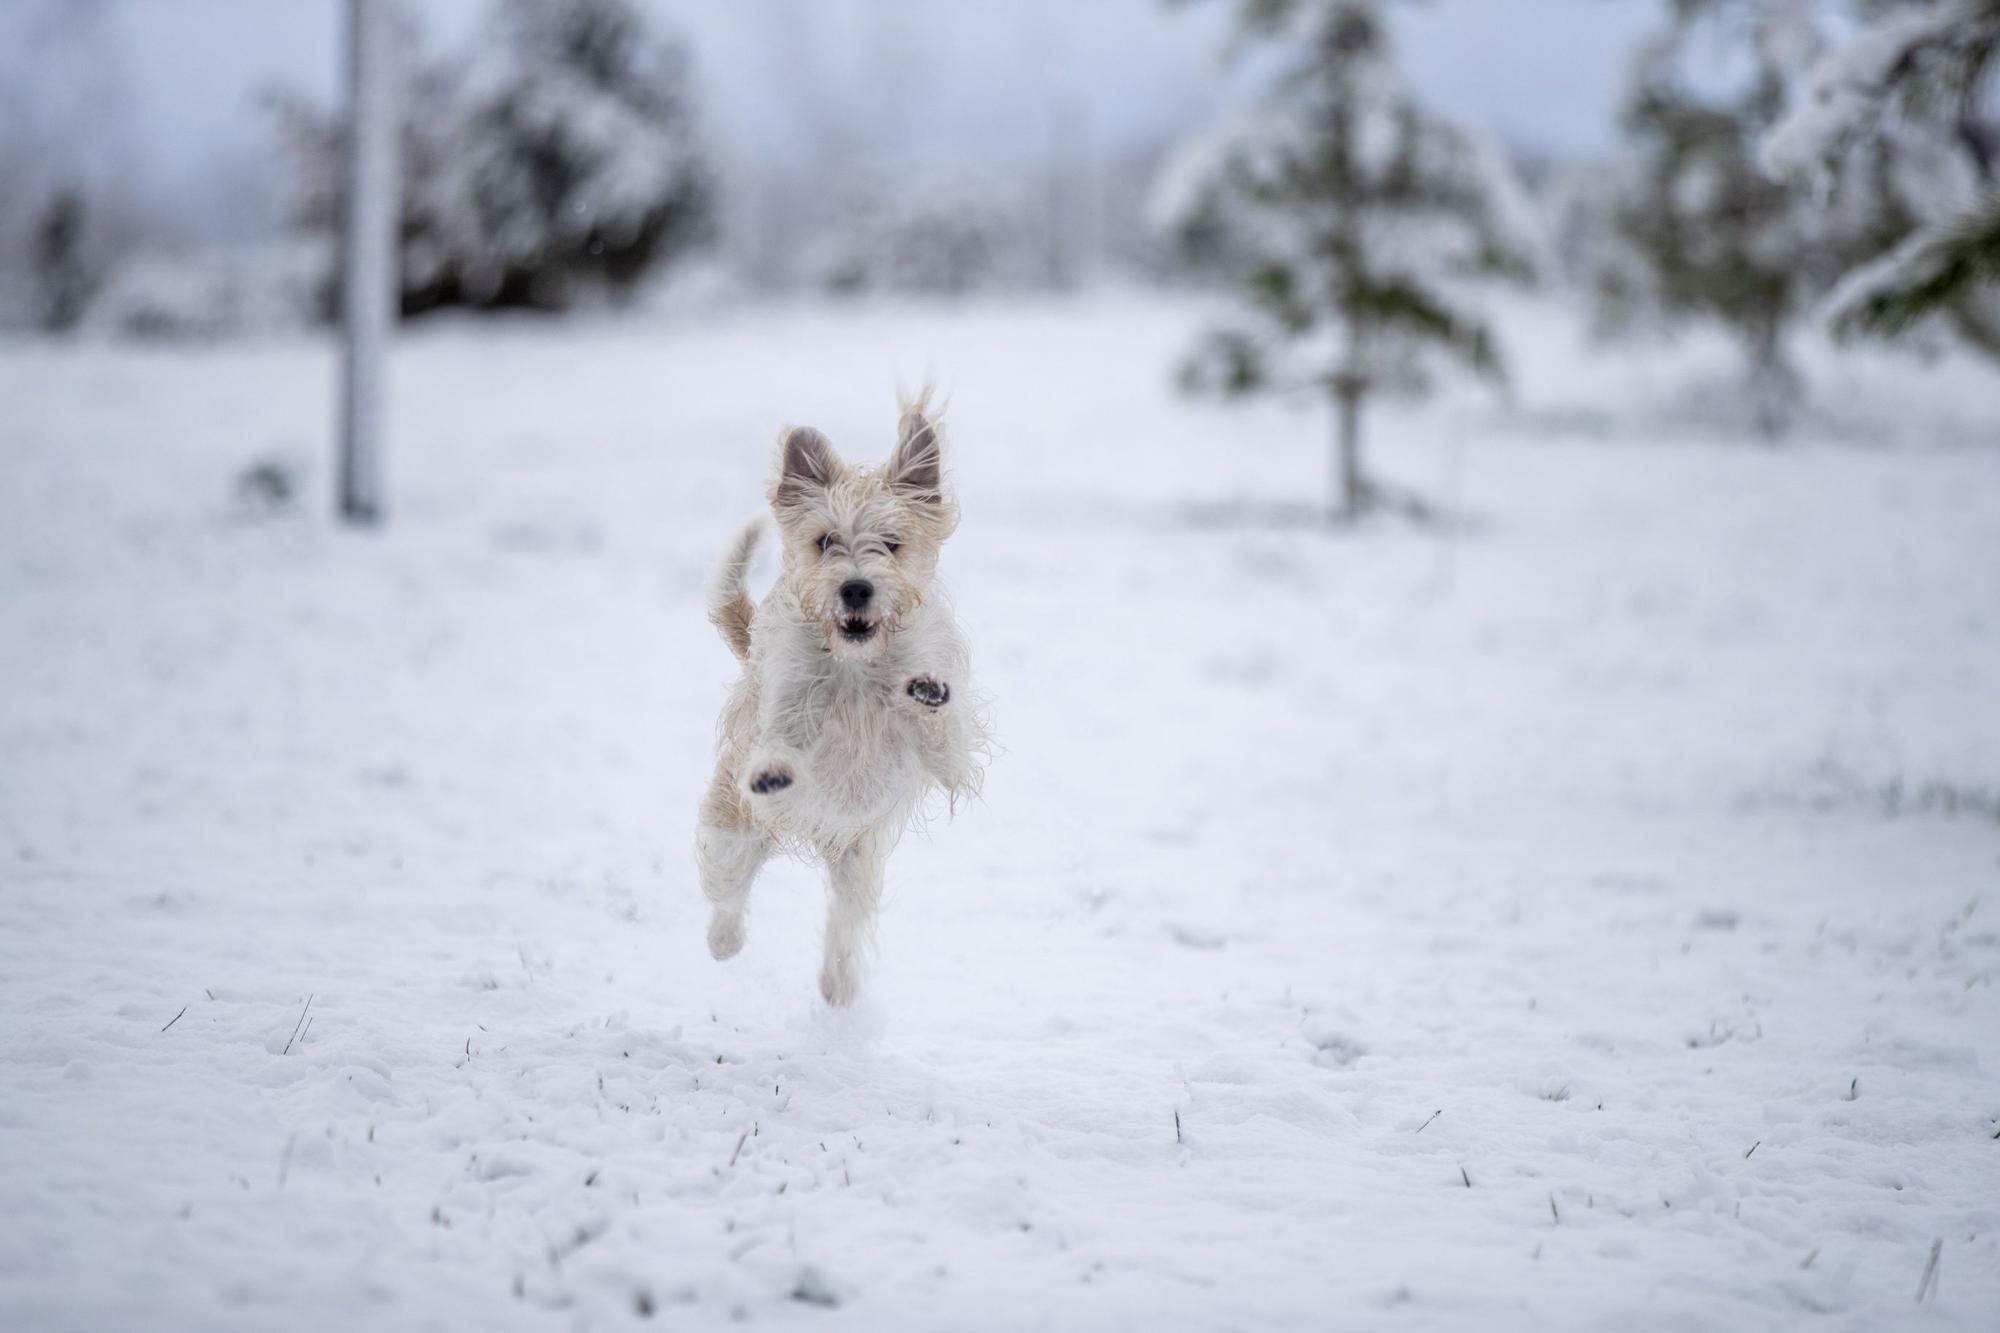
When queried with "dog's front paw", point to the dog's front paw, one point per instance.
{"points": [[771, 778], [929, 691]]}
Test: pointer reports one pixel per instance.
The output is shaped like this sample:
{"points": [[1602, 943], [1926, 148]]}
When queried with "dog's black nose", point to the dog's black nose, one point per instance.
{"points": [[854, 593]]}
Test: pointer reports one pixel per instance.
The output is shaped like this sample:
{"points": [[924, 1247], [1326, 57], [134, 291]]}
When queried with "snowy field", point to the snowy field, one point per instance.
{"points": [[1586, 917]]}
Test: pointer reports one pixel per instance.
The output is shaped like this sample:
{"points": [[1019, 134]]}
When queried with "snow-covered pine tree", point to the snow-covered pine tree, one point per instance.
{"points": [[577, 160], [562, 157], [1906, 107], [1698, 228], [1353, 219]]}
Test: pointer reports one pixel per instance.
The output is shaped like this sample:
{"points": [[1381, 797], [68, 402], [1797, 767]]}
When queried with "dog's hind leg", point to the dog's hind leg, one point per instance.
{"points": [[729, 850], [854, 891], [729, 864]]}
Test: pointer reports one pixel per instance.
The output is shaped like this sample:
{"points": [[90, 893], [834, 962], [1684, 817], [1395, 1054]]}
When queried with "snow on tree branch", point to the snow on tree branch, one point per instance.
{"points": [[1852, 89]]}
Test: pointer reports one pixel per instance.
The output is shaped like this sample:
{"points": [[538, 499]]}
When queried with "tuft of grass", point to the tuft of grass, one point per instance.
{"points": [[266, 487], [1927, 1285], [813, 1289], [298, 1025]]}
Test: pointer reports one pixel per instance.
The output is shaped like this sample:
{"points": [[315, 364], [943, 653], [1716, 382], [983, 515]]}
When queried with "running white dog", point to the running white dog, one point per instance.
{"points": [[854, 703]]}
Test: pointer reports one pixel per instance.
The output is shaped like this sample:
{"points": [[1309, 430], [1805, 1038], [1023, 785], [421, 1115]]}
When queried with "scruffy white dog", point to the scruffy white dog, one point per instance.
{"points": [[854, 703]]}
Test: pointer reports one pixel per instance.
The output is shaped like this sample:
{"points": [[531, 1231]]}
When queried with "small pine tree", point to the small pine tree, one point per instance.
{"points": [[577, 154], [1348, 213], [1699, 228], [1905, 108], [562, 158]]}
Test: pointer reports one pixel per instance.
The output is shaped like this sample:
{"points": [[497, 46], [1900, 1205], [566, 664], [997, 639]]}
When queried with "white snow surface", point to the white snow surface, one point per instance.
{"points": [[1584, 918]]}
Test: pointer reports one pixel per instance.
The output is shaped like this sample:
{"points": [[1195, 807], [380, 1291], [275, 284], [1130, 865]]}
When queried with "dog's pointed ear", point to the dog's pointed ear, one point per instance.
{"points": [[916, 468], [805, 458]]}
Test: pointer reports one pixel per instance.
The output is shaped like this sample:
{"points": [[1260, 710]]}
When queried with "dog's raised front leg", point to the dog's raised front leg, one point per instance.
{"points": [[944, 732], [728, 852], [770, 779], [854, 891]]}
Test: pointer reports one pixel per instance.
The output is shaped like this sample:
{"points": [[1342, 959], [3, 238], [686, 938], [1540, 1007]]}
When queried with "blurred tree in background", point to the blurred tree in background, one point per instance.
{"points": [[64, 279], [1854, 179], [1351, 217], [1905, 109], [960, 233], [561, 161], [1696, 226], [69, 210]]}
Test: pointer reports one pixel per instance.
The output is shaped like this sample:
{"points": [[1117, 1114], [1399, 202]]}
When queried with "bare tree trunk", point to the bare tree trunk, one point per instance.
{"points": [[1353, 487], [1775, 387], [370, 285]]}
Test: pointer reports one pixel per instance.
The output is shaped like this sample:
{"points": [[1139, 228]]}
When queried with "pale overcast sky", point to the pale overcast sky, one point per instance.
{"points": [[912, 79]]}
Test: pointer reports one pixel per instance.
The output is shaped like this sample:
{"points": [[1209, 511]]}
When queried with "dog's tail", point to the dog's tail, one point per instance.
{"points": [[729, 606]]}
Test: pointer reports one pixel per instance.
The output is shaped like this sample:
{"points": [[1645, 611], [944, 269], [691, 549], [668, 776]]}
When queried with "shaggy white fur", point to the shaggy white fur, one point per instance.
{"points": [[855, 703]]}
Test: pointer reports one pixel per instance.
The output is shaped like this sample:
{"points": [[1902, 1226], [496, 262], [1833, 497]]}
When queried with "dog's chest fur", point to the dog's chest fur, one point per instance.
{"points": [[859, 754], [859, 751]]}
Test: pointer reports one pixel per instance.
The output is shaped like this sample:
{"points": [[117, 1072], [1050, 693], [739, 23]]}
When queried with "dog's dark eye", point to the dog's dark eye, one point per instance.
{"points": [[893, 545], [825, 540]]}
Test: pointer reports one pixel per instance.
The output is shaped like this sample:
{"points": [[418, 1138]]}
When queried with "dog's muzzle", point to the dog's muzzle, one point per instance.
{"points": [[857, 626]]}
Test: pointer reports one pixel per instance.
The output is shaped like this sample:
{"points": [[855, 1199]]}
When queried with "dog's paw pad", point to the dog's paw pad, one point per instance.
{"points": [[770, 780], [929, 691]]}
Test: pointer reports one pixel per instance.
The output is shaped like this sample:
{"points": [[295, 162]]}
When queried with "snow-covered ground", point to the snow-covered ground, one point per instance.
{"points": [[1584, 918]]}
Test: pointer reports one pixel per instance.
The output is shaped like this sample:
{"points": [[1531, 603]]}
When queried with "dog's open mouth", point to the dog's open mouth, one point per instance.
{"points": [[856, 629]]}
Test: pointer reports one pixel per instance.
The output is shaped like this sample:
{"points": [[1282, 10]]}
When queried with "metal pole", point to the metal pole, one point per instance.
{"points": [[370, 288]]}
